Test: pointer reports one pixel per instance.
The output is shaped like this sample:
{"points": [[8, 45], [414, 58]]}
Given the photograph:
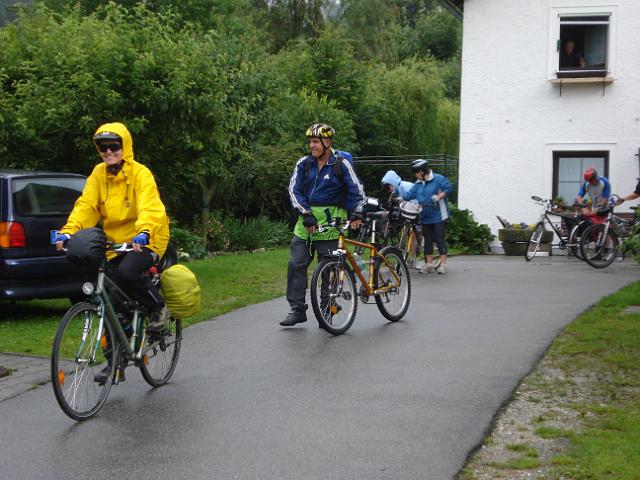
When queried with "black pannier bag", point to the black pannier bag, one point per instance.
{"points": [[87, 247]]}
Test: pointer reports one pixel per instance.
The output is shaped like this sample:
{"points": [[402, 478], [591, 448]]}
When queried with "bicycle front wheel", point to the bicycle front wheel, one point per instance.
{"points": [[334, 296], [393, 277], [599, 249], [160, 354], [534, 242], [80, 351], [575, 239]]}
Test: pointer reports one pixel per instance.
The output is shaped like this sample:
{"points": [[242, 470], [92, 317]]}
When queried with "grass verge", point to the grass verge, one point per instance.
{"points": [[580, 408], [227, 282]]}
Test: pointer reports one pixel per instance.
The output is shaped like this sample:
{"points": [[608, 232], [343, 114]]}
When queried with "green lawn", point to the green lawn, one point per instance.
{"points": [[227, 282], [605, 341]]}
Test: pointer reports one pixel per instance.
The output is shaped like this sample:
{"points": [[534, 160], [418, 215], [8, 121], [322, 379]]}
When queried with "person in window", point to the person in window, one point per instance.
{"points": [[570, 57], [122, 194], [632, 196], [597, 188], [431, 190]]}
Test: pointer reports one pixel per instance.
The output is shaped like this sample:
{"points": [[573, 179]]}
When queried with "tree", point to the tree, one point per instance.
{"points": [[405, 111]]}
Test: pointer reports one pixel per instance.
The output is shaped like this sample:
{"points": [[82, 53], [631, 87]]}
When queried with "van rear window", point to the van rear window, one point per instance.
{"points": [[42, 196]]}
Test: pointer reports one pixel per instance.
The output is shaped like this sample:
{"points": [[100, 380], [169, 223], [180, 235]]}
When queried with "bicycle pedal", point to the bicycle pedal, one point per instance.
{"points": [[119, 376]]}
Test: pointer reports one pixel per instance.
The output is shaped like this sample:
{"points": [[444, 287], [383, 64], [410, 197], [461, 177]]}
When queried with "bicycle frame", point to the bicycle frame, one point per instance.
{"points": [[134, 347], [367, 283]]}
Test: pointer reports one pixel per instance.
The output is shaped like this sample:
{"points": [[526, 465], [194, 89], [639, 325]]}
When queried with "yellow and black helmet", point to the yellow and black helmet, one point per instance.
{"points": [[320, 130]]}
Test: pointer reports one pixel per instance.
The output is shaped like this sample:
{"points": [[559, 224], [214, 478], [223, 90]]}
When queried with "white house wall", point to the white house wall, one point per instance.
{"points": [[513, 117]]}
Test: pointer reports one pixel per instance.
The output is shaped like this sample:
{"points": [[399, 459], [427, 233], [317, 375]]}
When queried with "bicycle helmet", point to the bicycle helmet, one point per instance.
{"points": [[320, 130], [590, 174], [420, 165]]}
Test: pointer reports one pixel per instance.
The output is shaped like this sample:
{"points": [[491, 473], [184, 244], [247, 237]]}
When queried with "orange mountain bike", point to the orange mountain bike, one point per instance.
{"points": [[334, 291]]}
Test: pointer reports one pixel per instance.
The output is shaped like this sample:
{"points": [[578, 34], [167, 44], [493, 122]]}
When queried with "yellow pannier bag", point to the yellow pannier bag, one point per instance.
{"points": [[180, 291]]}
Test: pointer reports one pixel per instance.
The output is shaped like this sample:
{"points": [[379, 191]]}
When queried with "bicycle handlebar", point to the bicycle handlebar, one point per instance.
{"points": [[119, 247], [336, 224]]}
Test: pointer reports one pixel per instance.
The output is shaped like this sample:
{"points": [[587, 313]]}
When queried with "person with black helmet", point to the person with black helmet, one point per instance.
{"points": [[122, 194], [431, 190], [324, 186]]}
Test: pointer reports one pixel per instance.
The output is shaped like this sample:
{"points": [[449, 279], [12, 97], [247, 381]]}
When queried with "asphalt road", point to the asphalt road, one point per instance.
{"points": [[252, 400]]}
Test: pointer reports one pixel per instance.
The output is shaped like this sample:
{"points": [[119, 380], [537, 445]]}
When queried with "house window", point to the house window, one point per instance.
{"points": [[582, 46], [568, 168]]}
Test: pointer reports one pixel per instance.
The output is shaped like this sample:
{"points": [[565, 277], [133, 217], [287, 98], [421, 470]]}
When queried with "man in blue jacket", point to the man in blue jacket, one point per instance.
{"points": [[431, 190], [323, 186]]}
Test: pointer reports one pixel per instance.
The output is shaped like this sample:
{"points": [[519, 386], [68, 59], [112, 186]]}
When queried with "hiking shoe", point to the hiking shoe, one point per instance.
{"points": [[101, 377], [159, 320], [428, 268], [293, 317], [442, 269]]}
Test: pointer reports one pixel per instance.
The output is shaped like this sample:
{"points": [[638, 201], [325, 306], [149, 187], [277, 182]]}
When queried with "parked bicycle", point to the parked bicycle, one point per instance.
{"points": [[568, 231], [91, 335], [402, 229], [334, 292], [601, 241]]}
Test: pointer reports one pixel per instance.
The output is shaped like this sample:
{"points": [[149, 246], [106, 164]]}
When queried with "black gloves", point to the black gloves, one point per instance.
{"points": [[309, 220]]}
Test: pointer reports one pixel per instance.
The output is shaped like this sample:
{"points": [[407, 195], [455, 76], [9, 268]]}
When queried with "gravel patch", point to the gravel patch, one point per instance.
{"points": [[542, 400]]}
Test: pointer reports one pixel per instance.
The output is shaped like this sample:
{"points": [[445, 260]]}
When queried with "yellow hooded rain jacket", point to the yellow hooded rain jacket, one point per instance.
{"points": [[127, 203]]}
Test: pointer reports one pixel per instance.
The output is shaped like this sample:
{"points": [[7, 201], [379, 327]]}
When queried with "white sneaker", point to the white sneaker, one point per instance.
{"points": [[428, 268], [411, 265], [442, 269], [420, 265]]}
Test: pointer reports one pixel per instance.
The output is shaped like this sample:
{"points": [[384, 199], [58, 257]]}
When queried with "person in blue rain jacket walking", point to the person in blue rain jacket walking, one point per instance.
{"points": [[431, 191]]}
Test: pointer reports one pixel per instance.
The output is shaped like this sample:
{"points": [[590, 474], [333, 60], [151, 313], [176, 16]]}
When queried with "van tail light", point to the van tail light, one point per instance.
{"points": [[12, 235]]}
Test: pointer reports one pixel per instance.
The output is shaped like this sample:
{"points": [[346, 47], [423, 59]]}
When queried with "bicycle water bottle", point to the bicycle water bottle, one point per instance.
{"points": [[360, 261]]}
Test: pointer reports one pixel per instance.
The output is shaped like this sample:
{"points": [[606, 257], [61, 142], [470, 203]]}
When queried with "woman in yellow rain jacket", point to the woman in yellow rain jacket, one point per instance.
{"points": [[122, 193]]}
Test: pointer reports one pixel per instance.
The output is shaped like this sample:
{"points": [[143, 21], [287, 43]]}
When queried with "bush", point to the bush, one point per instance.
{"points": [[217, 235], [187, 243], [255, 233], [465, 233], [231, 234], [632, 244]]}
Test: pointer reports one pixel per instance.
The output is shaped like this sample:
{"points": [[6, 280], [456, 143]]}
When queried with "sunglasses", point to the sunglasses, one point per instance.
{"points": [[114, 147]]}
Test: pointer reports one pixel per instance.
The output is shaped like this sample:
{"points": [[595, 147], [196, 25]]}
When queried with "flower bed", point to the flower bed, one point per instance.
{"points": [[515, 240]]}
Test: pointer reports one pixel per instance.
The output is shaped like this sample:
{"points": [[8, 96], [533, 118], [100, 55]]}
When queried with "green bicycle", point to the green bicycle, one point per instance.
{"points": [[91, 336]]}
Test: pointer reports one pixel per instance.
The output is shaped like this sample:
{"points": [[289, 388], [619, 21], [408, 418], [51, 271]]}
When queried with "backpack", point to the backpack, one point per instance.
{"points": [[180, 291]]}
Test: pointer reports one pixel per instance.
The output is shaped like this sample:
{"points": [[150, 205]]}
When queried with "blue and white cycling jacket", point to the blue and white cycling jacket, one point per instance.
{"points": [[422, 191], [322, 193], [401, 187]]}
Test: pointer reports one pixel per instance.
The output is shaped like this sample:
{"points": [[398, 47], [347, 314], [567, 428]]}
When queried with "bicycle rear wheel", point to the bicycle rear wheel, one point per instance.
{"points": [[393, 303], [334, 296], [599, 249], [161, 354], [534, 242], [78, 353]]}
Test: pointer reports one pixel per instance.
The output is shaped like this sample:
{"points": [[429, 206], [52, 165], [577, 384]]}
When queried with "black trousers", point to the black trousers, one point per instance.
{"points": [[434, 232], [127, 271], [302, 254]]}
